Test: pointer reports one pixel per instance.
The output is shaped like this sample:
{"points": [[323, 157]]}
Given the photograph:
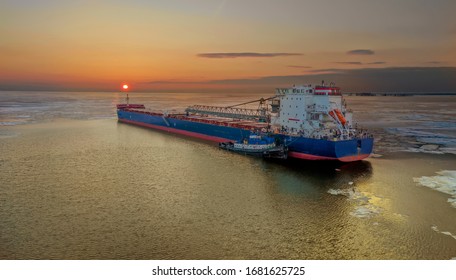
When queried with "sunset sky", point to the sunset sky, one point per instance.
{"points": [[227, 45]]}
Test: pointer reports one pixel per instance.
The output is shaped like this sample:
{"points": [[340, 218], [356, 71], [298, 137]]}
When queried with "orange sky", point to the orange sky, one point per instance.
{"points": [[167, 45]]}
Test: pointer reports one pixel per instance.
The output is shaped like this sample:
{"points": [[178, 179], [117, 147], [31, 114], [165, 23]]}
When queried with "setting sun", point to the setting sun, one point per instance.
{"points": [[124, 86]]}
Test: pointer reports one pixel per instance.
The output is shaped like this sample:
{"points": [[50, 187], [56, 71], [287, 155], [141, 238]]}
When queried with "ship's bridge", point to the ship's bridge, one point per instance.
{"points": [[303, 90], [324, 90]]}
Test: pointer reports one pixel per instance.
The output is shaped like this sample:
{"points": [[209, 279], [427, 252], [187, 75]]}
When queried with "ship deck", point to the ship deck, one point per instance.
{"points": [[220, 121]]}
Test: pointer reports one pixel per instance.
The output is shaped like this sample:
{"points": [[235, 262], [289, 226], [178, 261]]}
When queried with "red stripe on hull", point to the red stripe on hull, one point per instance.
{"points": [[354, 158], [314, 157], [178, 131]]}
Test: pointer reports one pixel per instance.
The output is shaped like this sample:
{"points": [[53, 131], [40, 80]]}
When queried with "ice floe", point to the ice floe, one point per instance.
{"points": [[448, 150], [436, 229], [444, 182], [425, 135], [427, 139], [430, 147], [11, 123], [427, 151], [363, 209]]}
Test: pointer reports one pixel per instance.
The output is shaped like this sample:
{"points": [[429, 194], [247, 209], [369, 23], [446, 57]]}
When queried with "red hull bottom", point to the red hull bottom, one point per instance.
{"points": [[314, 157]]}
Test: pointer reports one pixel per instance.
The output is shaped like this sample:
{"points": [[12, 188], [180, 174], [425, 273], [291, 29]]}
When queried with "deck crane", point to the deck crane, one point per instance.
{"points": [[232, 111]]}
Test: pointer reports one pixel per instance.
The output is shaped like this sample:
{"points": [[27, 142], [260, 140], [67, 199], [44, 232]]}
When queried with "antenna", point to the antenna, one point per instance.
{"points": [[125, 89]]}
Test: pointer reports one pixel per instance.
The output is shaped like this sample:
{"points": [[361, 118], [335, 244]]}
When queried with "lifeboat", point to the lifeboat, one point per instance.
{"points": [[337, 115]]}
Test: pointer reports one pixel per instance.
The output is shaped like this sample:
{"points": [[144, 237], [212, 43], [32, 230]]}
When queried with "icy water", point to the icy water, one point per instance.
{"points": [[76, 184]]}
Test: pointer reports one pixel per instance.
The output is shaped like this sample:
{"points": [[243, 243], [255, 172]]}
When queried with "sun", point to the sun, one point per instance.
{"points": [[124, 86]]}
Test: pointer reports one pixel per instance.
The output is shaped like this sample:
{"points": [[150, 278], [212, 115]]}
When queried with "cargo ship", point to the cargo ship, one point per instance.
{"points": [[312, 122]]}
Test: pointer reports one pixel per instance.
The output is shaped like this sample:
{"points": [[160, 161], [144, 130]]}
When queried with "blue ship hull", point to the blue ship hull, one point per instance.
{"points": [[298, 147]]}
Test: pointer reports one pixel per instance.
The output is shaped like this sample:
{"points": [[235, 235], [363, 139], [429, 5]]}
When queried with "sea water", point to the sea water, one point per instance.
{"points": [[76, 184]]}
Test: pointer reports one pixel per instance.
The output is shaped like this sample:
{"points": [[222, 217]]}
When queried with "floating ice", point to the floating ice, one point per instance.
{"points": [[363, 209], [350, 193], [444, 182], [452, 201], [374, 155], [439, 140], [440, 125], [11, 123], [430, 147], [420, 150], [449, 233], [436, 229], [424, 133], [448, 150], [428, 138]]}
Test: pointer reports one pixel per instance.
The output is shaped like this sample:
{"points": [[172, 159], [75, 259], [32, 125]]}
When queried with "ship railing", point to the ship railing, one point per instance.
{"points": [[231, 112], [333, 134], [143, 112], [337, 137], [247, 125]]}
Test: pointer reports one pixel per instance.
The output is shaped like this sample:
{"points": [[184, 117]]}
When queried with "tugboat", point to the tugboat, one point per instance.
{"points": [[257, 145]]}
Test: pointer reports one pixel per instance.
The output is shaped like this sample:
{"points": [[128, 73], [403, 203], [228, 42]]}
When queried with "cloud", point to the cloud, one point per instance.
{"points": [[172, 82], [361, 52], [360, 63], [243, 54], [397, 79], [327, 71], [299, 66], [373, 79], [349, 62]]}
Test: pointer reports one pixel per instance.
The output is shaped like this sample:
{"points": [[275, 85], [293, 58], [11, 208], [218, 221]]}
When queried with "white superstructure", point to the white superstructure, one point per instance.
{"points": [[312, 111]]}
